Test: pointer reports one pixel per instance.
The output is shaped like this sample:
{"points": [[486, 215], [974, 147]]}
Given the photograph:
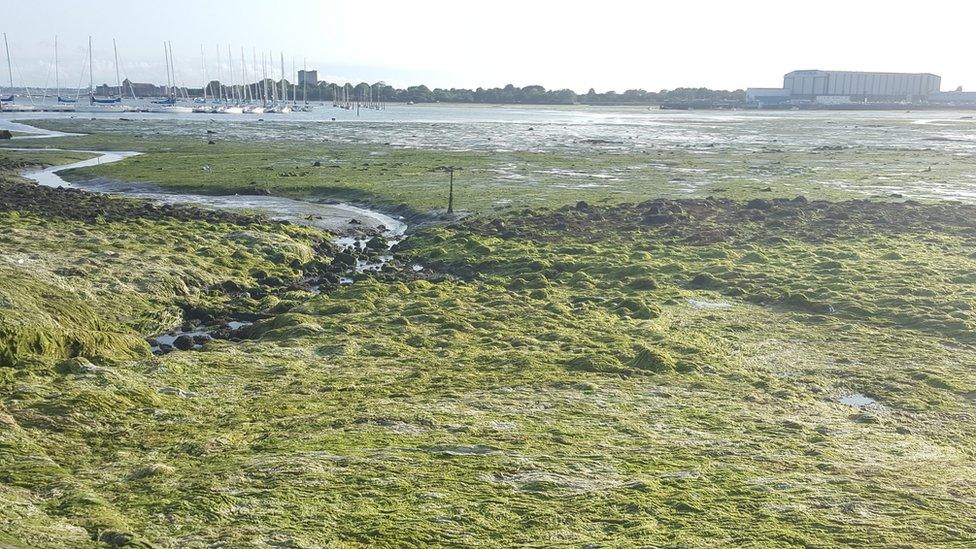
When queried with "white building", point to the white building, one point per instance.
{"points": [[847, 88], [860, 86]]}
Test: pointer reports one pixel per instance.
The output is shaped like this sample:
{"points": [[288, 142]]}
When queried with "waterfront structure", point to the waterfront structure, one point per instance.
{"points": [[310, 78], [872, 87], [813, 88]]}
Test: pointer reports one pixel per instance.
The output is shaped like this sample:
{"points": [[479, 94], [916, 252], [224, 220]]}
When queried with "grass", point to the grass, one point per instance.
{"points": [[667, 373]]}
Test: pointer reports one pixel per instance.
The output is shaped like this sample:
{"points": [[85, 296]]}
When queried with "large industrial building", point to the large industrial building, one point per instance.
{"points": [[860, 86], [839, 88]]}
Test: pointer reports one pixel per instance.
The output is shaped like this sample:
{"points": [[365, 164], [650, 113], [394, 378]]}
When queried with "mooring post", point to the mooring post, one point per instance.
{"points": [[450, 194]]}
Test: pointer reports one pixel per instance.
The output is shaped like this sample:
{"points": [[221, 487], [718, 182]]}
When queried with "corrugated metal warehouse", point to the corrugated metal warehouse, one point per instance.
{"points": [[861, 86]]}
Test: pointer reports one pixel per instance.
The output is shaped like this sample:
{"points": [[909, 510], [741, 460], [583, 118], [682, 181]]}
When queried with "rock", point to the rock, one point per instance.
{"points": [[200, 339], [658, 219], [355, 221], [211, 132], [152, 342], [183, 343], [344, 258], [377, 243], [211, 142], [6, 134], [582, 206], [316, 164]]}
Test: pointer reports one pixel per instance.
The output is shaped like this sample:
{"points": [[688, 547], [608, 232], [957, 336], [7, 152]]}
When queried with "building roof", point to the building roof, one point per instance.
{"points": [[815, 71]]}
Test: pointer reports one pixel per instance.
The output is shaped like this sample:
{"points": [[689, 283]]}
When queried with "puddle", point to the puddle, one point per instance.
{"points": [[476, 450], [857, 400], [166, 343], [709, 305]]}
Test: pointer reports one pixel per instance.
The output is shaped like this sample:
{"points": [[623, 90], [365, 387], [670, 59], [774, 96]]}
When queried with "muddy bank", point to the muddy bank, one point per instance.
{"points": [[79, 205]]}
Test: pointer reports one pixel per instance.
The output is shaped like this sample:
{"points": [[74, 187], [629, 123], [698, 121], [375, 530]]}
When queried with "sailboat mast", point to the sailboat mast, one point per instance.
{"points": [[284, 91], [220, 83], [57, 77], [264, 79], [166, 54], [180, 90], [244, 87], [118, 78], [232, 95], [206, 84], [254, 63], [10, 70], [274, 87], [91, 77]]}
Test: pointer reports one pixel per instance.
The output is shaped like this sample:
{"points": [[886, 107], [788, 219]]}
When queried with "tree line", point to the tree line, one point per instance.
{"points": [[529, 95], [510, 94]]}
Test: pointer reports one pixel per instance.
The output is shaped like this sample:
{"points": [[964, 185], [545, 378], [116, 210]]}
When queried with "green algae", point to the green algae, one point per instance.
{"points": [[501, 180], [567, 383], [71, 288], [14, 160]]}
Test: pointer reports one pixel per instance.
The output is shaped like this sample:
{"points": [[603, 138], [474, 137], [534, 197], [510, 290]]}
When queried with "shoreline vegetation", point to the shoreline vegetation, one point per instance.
{"points": [[579, 367], [380, 92]]}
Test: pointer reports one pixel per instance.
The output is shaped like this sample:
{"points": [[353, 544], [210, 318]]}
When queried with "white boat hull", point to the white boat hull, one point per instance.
{"points": [[172, 110]]}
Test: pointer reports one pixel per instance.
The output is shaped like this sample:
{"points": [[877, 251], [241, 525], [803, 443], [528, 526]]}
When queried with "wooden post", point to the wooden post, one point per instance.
{"points": [[450, 196]]}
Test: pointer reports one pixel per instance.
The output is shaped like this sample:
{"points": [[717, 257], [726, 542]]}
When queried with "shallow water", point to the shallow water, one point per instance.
{"points": [[857, 400], [823, 149], [332, 217], [487, 127]]}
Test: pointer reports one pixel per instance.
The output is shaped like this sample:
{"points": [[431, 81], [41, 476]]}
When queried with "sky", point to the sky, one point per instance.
{"points": [[603, 44]]}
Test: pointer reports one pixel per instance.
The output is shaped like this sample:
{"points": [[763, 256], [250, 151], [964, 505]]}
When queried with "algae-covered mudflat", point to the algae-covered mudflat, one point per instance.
{"points": [[736, 342]]}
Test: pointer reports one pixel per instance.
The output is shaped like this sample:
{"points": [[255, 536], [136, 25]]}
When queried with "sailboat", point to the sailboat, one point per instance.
{"points": [[254, 109], [169, 98], [202, 106], [61, 104], [10, 73], [111, 101], [6, 103], [235, 108], [57, 81], [284, 108], [168, 104]]}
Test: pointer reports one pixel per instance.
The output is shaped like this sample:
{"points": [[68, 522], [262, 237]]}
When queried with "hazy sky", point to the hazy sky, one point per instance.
{"points": [[606, 44]]}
